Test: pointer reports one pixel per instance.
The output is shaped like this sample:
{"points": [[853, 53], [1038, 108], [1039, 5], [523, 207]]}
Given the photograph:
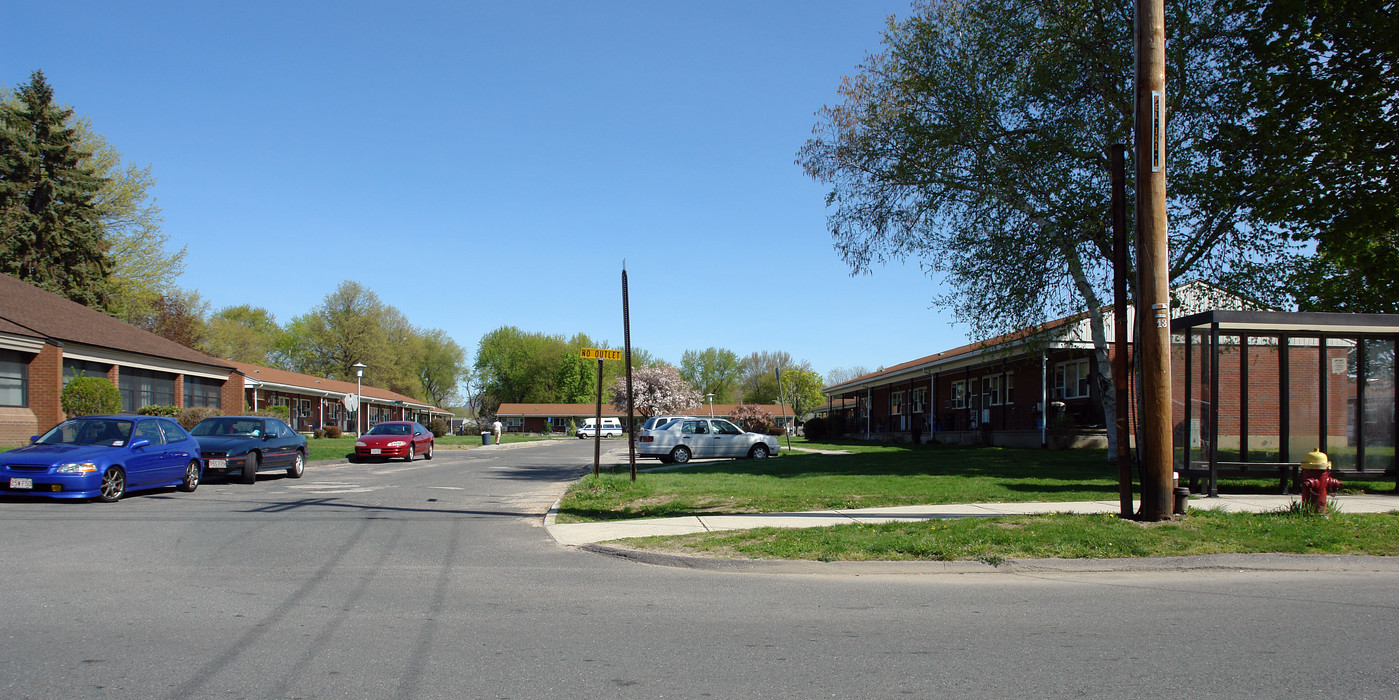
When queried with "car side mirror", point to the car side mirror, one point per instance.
{"points": [[138, 443], [33, 439]]}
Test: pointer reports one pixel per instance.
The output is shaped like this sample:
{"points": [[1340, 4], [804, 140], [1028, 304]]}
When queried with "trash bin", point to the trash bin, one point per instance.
{"points": [[485, 438]]}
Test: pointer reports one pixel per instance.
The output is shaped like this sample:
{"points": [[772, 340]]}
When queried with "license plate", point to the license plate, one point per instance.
{"points": [[218, 464], [21, 483], [375, 451]]}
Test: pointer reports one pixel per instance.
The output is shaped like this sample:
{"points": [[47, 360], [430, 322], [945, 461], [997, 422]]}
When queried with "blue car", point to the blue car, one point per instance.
{"points": [[103, 457]]}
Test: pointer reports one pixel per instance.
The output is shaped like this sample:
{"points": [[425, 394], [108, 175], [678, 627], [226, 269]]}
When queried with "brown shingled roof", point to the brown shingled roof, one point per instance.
{"points": [[306, 381], [48, 315]]}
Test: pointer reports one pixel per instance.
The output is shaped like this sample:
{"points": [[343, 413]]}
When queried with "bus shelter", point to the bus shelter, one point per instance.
{"points": [[1257, 390]]}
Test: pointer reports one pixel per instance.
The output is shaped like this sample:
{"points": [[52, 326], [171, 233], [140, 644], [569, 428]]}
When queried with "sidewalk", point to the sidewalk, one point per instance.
{"points": [[588, 533]]}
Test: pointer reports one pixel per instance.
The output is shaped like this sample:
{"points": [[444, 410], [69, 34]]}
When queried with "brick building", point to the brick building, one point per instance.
{"points": [[46, 340], [314, 402]]}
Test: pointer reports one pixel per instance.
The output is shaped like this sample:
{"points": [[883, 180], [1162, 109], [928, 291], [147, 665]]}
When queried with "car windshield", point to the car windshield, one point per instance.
{"points": [[238, 427], [388, 429], [89, 431]]}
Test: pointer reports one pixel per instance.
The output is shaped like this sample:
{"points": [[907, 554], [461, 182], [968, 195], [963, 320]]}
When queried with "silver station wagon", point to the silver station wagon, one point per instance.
{"points": [[683, 439]]}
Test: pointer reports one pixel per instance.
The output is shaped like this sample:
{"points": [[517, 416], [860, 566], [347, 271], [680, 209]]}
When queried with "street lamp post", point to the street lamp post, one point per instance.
{"points": [[359, 396], [711, 404]]}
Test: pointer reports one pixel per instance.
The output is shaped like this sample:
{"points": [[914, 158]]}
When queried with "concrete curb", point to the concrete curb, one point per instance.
{"points": [[1205, 562]]}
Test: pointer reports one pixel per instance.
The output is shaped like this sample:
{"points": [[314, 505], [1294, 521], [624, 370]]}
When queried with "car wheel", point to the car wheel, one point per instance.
{"points": [[113, 485], [410, 452], [298, 466], [759, 451], [191, 480], [680, 455], [428, 454], [250, 469]]}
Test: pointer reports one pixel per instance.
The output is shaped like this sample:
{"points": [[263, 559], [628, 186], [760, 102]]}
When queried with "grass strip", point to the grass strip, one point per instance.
{"points": [[995, 540]]}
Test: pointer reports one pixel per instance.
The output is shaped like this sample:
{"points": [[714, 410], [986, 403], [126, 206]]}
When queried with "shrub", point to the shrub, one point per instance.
{"points": [[283, 412], [190, 417], [548, 428], [439, 427], [158, 410], [817, 429], [318, 433], [87, 396], [754, 419], [333, 431]]}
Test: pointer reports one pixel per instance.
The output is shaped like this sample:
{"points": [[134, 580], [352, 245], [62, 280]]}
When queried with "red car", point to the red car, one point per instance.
{"points": [[406, 439]]}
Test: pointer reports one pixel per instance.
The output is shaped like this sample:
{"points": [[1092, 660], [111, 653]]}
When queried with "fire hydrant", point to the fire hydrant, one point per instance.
{"points": [[1317, 480]]}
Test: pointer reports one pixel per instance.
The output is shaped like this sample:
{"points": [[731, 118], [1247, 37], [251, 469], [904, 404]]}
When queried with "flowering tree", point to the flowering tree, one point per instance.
{"points": [[658, 390], [754, 419]]}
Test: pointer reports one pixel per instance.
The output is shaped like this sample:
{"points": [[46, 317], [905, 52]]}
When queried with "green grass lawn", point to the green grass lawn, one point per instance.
{"points": [[872, 476]]}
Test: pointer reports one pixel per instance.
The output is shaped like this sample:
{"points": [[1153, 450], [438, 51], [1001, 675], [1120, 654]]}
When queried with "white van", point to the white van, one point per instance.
{"points": [[611, 427]]}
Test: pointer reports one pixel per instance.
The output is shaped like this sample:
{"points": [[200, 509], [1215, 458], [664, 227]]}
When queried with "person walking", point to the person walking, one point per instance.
{"points": [[495, 428]]}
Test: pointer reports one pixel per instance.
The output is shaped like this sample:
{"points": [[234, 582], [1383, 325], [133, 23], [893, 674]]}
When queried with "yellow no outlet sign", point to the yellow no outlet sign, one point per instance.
{"points": [[600, 354]]}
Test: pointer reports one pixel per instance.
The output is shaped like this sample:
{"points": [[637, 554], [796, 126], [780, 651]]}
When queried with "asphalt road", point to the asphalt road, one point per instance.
{"points": [[435, 579]]}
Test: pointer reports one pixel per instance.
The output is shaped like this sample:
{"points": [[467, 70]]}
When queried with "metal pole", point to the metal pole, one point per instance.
{"points": [[1153, 258], [597, 423], [631, 397]]}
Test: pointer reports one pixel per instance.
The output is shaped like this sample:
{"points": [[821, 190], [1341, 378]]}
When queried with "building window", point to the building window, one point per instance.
{"points": [[920, 400], [959, 394], [14, 379], [72, 369], [1071, 379], [896, 403], [201, 392], [991, 390], [1009, 387], [140, 387]]}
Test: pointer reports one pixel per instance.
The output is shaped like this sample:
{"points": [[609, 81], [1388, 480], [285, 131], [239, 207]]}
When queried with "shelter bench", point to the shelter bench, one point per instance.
{"points": [[1289, 473]]}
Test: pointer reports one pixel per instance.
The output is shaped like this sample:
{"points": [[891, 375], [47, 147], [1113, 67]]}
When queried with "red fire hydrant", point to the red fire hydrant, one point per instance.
{"points": [[1317, 480]]}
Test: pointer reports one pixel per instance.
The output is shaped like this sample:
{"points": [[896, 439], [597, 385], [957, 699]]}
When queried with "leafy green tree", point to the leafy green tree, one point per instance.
{"points": [[516, 367], [713, 370], [441, 367], [50, 234], [1320, 153], [143, 268], [976, 142], [90, 396], [801, 389], [243, 333], [328, 340]]}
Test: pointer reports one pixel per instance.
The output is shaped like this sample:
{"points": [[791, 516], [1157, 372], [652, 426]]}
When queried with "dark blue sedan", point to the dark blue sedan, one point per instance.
{"points": [[249, 444], [103, 457]]}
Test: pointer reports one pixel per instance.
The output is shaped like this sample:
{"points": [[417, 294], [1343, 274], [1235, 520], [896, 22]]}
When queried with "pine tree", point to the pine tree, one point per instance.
{"points": [[50, 234]]}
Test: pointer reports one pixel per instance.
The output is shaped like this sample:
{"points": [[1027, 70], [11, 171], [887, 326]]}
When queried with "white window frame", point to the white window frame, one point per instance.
{"points": [[1075, 387], [919, 404], [896, 403], [959, 393]]}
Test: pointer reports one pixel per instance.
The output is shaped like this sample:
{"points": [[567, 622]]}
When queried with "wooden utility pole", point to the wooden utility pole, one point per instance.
{"points": [[1153, 260], [1117, 167]]}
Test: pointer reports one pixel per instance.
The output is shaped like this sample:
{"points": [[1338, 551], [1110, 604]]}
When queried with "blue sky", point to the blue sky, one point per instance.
{"points": [[486, 164]]}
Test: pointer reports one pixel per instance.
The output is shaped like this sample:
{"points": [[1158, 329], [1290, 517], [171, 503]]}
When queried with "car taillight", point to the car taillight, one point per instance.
{"points": [[647, 438]]}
